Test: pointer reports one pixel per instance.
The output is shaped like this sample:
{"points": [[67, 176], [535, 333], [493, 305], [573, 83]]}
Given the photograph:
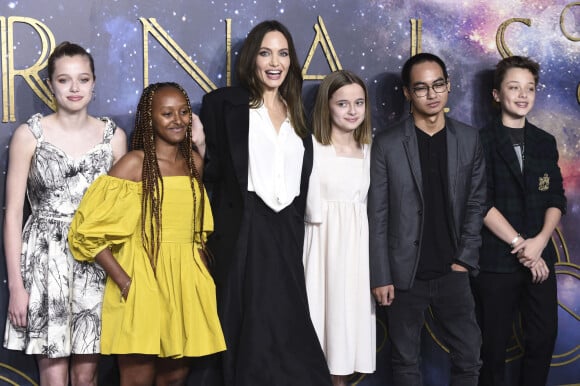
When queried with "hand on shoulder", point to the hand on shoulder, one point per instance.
{"points": [[197, 134], [198, 161]]}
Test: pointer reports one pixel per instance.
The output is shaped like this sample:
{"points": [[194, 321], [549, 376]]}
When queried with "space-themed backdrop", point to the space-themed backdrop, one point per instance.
{"points": [[195, 43]]}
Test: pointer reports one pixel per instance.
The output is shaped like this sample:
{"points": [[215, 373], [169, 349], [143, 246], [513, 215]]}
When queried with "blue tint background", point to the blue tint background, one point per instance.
{"points": [[372, 38]]}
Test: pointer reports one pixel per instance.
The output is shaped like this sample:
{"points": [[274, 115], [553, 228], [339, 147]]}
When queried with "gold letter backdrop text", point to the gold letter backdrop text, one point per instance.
{"points": [[30, 74]]}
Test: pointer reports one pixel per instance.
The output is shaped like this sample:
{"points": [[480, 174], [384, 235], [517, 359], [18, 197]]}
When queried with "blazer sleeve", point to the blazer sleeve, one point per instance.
{"points": [[313, 213], [211, 118], [557, 198], [487, 145], [470, 237], [378, 214]]}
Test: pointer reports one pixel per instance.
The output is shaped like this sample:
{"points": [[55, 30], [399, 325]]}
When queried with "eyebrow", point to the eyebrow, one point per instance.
{"points": [[172, 106], [67, 74], [269, 49], [518, 82], [425, 83]]}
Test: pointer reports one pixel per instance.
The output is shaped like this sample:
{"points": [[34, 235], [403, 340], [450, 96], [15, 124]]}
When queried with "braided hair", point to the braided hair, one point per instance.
{"points": [[151, 180]]}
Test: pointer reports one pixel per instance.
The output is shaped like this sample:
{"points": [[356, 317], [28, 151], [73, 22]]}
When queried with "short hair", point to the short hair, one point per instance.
{"points": [[68, 49], [291, 88], [321, 123], [418, 59], [510, 62]]}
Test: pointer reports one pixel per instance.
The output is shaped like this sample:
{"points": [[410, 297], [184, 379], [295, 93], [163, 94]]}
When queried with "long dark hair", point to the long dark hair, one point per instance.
{"points": [[291, 88], [152, 183]]}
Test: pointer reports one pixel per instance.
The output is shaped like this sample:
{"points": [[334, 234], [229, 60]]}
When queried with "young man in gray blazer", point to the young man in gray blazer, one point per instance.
{"points": [[425, 215]]}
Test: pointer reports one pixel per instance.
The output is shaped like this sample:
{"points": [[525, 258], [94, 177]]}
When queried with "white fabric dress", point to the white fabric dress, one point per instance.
{"points": [[64, 307], [336, 260]]}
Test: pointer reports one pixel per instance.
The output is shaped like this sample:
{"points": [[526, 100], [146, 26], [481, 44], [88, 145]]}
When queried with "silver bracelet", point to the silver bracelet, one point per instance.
{"points": [[515, 240]]}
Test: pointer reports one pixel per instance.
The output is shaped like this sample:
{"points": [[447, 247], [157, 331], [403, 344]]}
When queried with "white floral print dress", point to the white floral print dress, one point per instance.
{"points": [[64, 307]]}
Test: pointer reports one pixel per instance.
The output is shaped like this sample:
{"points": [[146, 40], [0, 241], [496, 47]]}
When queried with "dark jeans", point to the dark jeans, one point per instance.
{"points": [[498, 296], [452, 305]]}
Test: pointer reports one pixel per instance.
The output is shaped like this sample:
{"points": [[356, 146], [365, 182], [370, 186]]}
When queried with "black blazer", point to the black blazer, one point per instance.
{"points": [[225, 117], [396, 200], [522, 198]]}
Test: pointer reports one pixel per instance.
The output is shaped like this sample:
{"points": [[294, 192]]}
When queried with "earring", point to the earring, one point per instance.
{"points": [[47, 80]]}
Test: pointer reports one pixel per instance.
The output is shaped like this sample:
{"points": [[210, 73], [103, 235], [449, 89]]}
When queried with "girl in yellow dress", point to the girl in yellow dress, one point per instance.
{"points": [[146, 224]]}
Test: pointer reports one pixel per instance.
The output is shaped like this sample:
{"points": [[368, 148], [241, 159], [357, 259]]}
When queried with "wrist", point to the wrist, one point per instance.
{"points": [[125, 289], [515, 240], [13, 287], [545, 237], [199, 148]]}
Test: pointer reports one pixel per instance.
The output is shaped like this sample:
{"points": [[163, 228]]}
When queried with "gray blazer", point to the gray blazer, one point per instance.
{"points": [[395, 200]]}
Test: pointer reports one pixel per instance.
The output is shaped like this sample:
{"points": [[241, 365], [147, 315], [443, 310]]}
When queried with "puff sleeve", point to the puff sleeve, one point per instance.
{"points": [[109, 214]]}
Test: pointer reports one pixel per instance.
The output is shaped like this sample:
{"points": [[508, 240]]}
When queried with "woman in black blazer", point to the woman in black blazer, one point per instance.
{"points": [[525, 200], [258, 162]]}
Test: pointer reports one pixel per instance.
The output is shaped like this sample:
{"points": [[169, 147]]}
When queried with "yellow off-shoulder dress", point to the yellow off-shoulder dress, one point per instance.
{"points": [[169, 313]]}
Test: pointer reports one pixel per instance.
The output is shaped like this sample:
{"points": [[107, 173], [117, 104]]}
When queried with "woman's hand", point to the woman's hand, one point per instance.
{"points": [[18, 307], [125, 289], [197, 134]]}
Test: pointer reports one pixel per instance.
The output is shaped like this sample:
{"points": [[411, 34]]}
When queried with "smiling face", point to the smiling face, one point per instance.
{"points": [[347, 108], [72, 82], [170, 114], [273, 60], [426, 76], [516, 96]]}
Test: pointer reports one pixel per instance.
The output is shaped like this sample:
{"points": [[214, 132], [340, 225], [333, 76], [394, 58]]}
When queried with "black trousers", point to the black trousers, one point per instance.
{"points": [[498, 296], [452, 305]]}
